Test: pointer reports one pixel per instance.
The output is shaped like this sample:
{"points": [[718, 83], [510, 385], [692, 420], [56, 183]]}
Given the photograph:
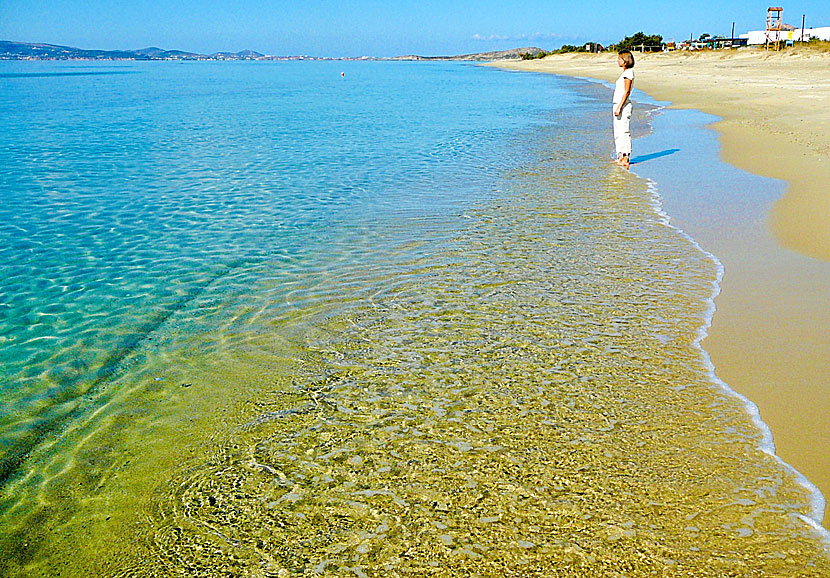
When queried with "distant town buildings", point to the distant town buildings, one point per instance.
{"points": [[787, 34]]}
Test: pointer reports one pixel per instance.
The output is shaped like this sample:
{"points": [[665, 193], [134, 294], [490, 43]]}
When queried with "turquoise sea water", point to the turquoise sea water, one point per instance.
{"points": [[265, 319], [129, 189]]}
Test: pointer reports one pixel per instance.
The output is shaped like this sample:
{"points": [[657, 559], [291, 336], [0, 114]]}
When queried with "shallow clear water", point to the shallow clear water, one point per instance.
{"points": [[126, 196], [262, 319]]}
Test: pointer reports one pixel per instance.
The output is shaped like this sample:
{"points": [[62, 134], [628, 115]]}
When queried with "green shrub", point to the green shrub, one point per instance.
{"points": [[653, 43], [534, 56]]}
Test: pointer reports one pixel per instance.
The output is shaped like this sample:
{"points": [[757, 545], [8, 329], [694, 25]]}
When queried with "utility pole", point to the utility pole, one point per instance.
{"points": [[803, 19], [732, 37]]}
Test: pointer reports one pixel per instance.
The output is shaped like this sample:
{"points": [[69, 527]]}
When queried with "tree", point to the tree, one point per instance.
{"points": [[566, 48], [651, 43], [533, 55], [704, 37]]}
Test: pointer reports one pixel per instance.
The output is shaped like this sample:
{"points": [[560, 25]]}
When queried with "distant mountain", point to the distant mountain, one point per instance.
{"points": [[179, 54], [25, 51], [513, 54], [245, 54], [28, 51], [152, 52]]}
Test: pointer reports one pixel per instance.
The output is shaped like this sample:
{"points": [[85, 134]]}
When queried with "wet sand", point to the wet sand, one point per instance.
{"points": [[769, 338]]}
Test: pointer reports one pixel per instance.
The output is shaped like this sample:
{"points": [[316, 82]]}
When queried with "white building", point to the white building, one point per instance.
{"points": [[755, 37]]}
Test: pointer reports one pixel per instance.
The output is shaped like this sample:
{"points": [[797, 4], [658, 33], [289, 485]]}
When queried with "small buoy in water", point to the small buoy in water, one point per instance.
{"points": [[342, 74]]}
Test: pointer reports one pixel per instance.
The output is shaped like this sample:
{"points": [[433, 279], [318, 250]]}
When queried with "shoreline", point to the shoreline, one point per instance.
{"points": [[768, 340], [753, 126], [496, 366], [818, 502]]}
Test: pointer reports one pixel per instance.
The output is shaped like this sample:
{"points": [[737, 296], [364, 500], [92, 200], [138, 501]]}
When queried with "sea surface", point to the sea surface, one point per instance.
{"points": [[360, 319]]}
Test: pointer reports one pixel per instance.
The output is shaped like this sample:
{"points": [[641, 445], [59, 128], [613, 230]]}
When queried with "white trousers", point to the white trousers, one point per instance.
{"points": [[622, 130]]}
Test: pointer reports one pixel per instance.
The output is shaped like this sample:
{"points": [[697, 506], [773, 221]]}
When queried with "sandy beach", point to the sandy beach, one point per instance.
{"points": [[769, 339]]}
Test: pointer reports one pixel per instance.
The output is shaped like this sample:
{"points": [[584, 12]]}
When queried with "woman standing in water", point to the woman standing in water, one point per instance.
{"points": [[622, 108]]}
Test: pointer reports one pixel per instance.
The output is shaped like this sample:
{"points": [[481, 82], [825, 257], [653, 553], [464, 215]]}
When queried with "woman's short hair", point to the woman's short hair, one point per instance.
{"points": [[627, 58]]}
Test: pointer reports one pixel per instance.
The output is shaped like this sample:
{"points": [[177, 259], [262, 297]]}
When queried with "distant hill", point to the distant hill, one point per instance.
{"points": [[237, 55], [153, 51], [28, 51], [25, 50], [512, 54]]}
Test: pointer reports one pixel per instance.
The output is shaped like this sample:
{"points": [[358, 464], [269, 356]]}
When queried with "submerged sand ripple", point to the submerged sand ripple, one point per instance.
{"points": [[523, 398], [533, 405]]}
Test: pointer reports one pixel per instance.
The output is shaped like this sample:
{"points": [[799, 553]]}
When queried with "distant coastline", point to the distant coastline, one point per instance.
{"points": [[10, 50]]}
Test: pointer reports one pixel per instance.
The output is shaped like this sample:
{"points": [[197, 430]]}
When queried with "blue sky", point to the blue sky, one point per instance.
{"points": [[374, 27]]}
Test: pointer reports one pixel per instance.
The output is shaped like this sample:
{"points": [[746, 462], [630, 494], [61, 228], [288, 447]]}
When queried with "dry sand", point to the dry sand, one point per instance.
{"points": [[770, 339]]}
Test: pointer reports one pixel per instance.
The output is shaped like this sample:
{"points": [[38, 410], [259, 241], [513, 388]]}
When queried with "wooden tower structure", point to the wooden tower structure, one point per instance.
{"points": [[775, 23]]}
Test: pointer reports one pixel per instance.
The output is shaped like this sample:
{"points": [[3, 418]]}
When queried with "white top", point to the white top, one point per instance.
{"points": [[619, 88]]}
